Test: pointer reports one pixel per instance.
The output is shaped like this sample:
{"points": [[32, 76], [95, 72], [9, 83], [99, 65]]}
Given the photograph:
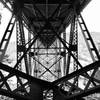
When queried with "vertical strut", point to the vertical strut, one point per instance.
{"points": [[70, 44], [30, 67], [90, 44], [4, 2], [18, 42], [58, 65], [88, 39], [65, 64], [6, 37], [75, 52], [21, 45], [19, 54], [75, 43], [73, 46], [35, 63]]}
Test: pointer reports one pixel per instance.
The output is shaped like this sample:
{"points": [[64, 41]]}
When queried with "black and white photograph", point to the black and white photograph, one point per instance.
{"points": [[49, 50]]}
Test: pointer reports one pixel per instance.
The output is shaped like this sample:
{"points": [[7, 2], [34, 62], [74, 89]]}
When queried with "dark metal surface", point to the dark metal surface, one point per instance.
{"points": [[37, 13], [47, 55]]}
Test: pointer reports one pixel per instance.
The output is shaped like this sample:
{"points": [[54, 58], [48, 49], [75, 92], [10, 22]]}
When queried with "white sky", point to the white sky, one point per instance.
{"points": [[91, 16]]}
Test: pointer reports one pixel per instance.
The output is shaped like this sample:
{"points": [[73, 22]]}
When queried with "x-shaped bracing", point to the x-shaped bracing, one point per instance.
{"points": [[51, 85]]}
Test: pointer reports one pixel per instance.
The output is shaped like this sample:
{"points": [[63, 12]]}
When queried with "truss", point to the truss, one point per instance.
{"points": [[47, 65]]}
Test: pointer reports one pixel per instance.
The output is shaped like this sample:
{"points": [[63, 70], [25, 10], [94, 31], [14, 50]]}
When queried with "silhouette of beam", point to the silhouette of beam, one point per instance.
{"points": [[84, 93], [81, 71], [13, 95], [44, 1], [13, 71]]}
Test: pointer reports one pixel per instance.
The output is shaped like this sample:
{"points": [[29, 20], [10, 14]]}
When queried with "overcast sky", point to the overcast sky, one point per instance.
{"points": [[91, 15]]}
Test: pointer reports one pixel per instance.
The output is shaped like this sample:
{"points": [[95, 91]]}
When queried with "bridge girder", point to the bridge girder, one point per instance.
{"points": [[47, 54]]}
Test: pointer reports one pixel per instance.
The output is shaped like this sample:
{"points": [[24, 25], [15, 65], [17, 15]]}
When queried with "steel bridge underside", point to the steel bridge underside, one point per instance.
{"points": [[47, 55]]}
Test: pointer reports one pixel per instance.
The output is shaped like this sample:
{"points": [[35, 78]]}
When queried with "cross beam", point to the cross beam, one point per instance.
{"points": [[81, 71], [23, 75]]}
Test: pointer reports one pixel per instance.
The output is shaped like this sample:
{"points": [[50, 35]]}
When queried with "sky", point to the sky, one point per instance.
{"points": [[91, 16]]}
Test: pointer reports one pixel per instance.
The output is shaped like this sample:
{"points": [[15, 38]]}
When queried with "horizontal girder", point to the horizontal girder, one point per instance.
{"points": [[39, 13], [53, 1], [23, 75], [52, 85], [48, 19]]}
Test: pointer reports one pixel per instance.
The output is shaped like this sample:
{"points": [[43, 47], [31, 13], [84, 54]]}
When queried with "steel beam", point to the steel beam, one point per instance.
{"points": [[80, 93], [23, 75], [5, 5], [6, 37], [14, 95], [78, 72], [84, 93], [49, 2]]}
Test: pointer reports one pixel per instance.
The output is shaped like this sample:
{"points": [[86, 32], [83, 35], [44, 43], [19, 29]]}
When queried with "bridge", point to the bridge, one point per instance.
{"points": [[48, 65]]}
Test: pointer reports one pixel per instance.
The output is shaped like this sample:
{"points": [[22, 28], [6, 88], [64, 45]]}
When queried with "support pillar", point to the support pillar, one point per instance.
{"points": [[36, 91]]}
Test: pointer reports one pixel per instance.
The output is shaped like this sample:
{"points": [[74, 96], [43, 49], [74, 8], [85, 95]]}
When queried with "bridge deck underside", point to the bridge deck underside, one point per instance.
{"points": [[47, 55], [42, 16]]}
